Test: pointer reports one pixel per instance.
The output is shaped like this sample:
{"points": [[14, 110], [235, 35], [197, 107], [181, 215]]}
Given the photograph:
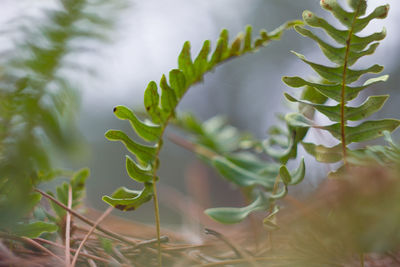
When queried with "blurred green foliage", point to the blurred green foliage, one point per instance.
{"points": [[38, 101]]}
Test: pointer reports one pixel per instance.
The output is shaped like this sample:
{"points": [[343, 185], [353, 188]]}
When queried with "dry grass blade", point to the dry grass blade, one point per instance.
{"points": [[97, 258], [101, 218], [32, 243], [238, 252], [86, 220], [68, 229]]}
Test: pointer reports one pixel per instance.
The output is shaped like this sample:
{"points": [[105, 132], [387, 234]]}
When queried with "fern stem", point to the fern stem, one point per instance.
{"points": [[343, 121], [362, 260], [158, 224], [271, 209]]}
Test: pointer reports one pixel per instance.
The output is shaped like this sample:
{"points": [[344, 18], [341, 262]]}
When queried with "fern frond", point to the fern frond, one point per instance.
{"points": [[162, 108], [266, 181], [340, 77]]}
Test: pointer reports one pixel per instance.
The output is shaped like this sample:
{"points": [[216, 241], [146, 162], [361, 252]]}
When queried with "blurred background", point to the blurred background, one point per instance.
{"points": [[144, 42]]}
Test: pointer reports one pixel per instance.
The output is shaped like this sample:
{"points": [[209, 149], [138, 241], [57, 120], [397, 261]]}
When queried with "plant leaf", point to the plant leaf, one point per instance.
{"points": [[365, 131], [295, 177], [324, 154], [137, 173], [151, 102], [236, 215], [168, 98], [333, 90], [126, 200], [145, 154], [34, 229], [147, 132], [178, 82], [240, 176], [369, 107]]}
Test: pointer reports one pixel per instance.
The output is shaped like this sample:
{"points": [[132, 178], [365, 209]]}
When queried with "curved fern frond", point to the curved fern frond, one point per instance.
{"points": [[340, 77], [161, 108]]}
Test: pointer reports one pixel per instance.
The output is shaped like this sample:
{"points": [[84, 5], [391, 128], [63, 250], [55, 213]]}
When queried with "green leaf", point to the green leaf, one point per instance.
{"points": [[287, 146], [240, 176], [147, 132], [365, 131], [340, 36], [178, 82], [201, 62], [285, 175], [185, 62], [235, 46], [359, 6], [77, 182], [137, 173], [224, 37], [324, 154], [344, 17], [295, 177], [151, 102], [78, 179], [334, 54], [33, 230], [247, 39], [217, 55], [168, 98], [126, 200], [335, 74], [236, 215], [313, 20], [333, 91], [145, 154], [369, 107], [247, 161], [380, 12], [298, 120]]}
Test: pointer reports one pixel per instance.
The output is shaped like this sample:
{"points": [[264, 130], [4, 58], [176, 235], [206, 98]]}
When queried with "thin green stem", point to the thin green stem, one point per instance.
{"points": [[343, 120], [362, 260], [158, 223]]}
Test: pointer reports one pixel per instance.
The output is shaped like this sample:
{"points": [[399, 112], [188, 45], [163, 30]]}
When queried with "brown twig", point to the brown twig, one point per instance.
{"points": [[68, 229], [86, 220], [191, 146], [99, 220]]}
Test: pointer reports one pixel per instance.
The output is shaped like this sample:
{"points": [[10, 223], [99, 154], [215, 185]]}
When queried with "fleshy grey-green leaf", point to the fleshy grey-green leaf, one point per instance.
{"points": [[240, 176], [236, 215], [294, 177]]}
